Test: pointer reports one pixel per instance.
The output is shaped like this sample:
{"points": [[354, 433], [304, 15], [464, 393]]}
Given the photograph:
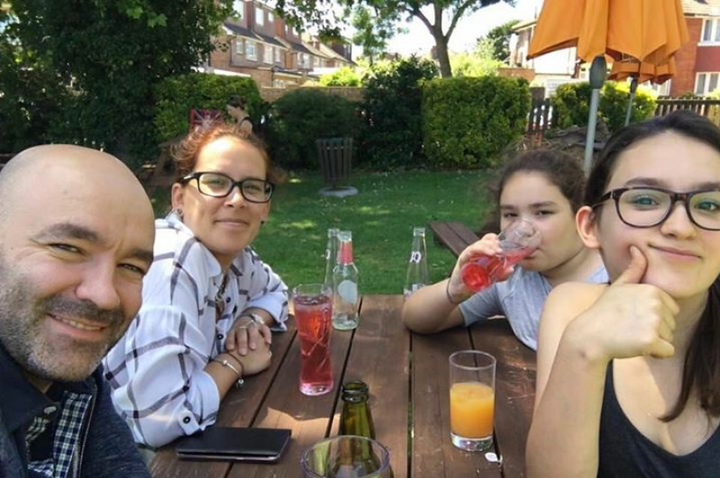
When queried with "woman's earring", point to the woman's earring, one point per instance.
{"points": [[178, 212], [262, 221]]}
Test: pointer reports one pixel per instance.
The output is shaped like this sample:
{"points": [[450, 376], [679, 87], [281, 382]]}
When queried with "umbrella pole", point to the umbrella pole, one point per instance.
{"points": [[633, 89], [598, 73]]}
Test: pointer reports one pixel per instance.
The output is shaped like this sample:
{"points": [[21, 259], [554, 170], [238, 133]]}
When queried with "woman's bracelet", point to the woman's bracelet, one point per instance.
{"points": [[225, 363], [449, 297], [256, 318]]}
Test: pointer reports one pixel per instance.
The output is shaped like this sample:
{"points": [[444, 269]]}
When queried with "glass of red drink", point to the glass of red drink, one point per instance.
{"points": [[518, 240], [313, 313]]}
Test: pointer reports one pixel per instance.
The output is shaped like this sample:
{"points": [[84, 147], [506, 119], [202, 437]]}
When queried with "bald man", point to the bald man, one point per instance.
{"points": [[76, 238]]}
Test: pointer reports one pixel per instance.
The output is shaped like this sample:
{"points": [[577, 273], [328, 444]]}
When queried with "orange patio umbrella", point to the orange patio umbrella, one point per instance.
{"points": [[640, 35], [629, 67], [647, 30]]}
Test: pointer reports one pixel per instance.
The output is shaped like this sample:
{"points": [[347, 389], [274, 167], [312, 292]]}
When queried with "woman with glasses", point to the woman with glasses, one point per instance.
{"points": [[209, 302], [628, 375]]}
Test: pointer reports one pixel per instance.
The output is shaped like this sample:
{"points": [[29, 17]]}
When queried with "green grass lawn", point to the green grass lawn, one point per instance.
{"points": [[381, 217]]}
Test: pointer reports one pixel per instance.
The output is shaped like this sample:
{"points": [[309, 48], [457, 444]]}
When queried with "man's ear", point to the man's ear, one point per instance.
{"points": [[586, 223], [177, 196]]}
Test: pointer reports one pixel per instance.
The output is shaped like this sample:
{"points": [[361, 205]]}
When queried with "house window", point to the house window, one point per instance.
{"points": [[711, 30], [303, 59], [706, 83], [238, 48], [239, 9], [278, 57], [251, 50], [268, 54], [259, 16]]}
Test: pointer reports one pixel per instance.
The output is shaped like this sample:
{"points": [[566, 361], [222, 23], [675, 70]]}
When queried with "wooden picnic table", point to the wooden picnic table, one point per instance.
{"points": [[408, 379], [454, 235]]}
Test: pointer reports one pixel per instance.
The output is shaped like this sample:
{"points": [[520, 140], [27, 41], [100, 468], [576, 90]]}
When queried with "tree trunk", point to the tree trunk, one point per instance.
{"points": [[441, 50]]}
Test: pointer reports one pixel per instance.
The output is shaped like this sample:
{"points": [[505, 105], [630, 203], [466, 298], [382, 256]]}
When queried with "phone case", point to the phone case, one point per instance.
{"points": [[235, 444]]}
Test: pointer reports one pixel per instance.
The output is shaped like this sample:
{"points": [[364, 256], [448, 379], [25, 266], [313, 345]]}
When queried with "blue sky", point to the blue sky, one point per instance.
{"points": [[418, 39]]}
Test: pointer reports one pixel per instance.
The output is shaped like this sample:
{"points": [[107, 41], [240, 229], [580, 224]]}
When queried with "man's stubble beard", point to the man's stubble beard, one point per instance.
{"points": [[23, 330]]}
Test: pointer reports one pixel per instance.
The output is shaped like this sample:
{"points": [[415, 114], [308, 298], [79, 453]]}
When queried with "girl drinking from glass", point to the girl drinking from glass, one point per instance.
{"points": [[544, 187], [628, 376]]}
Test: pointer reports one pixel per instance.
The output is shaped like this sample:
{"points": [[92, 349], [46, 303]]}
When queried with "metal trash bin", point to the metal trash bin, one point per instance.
{"points": [[335, 158]]}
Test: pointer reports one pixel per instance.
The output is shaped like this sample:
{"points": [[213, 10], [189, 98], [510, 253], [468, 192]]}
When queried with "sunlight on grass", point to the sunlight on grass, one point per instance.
{"points": [[303, 225]]}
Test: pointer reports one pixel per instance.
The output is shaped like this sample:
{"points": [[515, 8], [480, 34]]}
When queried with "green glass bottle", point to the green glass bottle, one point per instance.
{"points": [[358, 458], [355, 418]]}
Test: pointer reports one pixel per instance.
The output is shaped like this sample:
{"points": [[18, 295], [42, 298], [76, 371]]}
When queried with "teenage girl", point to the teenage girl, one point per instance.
{"points": [[628, 376], [546, 188]]}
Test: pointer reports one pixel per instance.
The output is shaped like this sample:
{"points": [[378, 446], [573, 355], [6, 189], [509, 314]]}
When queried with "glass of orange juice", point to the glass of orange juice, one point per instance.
{"points": [[472, 399]]}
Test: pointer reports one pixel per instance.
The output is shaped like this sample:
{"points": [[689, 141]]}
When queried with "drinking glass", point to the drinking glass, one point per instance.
{"points": [[313, 313], [346, 456], [472, 399], [518, 240]]}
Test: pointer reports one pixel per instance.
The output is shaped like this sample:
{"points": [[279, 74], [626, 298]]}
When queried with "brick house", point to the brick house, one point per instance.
{"points": [[698, 61], [258, 43]]}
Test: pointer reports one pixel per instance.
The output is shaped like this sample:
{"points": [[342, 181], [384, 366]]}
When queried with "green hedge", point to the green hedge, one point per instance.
{"points": [[177, 95], [571, 104], [392, 113], [467, 122], [302, 116]]}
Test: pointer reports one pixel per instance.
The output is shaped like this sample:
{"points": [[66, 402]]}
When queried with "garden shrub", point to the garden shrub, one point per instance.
{"points": [[614, 98], [392, 102], [571, 104], [344, 76], [467, 122], [177, 95], [304, 115]]}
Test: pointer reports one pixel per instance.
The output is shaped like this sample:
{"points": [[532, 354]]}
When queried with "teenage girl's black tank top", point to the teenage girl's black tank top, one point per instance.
{"points": [[627, 453]]}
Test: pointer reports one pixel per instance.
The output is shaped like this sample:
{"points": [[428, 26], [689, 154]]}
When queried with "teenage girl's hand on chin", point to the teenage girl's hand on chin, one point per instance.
{"points": [[488, 245], [629, 319]]}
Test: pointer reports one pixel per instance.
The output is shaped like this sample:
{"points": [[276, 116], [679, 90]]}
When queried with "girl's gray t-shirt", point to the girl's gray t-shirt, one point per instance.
{"points": [[520, 298]]}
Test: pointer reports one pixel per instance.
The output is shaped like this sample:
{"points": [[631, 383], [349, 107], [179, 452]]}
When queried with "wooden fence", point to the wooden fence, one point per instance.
{"points": [[703, 106], [541, 117]]}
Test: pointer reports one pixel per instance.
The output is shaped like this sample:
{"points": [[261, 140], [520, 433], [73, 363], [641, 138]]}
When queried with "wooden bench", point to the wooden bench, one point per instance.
{"points": [[454, 235]]}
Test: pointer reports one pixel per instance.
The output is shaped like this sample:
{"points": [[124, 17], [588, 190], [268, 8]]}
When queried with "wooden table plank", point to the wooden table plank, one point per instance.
{"points": [[454, 235], [380, 357], [408, 379], [238, 409], [309, 418], [514, 390], [433, 454]]}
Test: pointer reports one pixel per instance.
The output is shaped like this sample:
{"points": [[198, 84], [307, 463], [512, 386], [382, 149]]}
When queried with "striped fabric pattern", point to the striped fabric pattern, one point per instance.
{"points": [[157, 369]]}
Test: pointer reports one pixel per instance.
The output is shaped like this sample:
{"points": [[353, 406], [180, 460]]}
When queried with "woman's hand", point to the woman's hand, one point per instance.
{"points": [[629, 319], [488, 245], [247, 334], [255, 360]]}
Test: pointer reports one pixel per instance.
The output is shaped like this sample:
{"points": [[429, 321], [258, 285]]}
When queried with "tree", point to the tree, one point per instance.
{"points": [[480, 62], [102, 59], [499, 38], [391, 12]]}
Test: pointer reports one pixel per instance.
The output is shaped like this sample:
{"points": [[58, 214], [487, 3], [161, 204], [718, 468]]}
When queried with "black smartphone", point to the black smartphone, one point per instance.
{"points": [[234, 444]]}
